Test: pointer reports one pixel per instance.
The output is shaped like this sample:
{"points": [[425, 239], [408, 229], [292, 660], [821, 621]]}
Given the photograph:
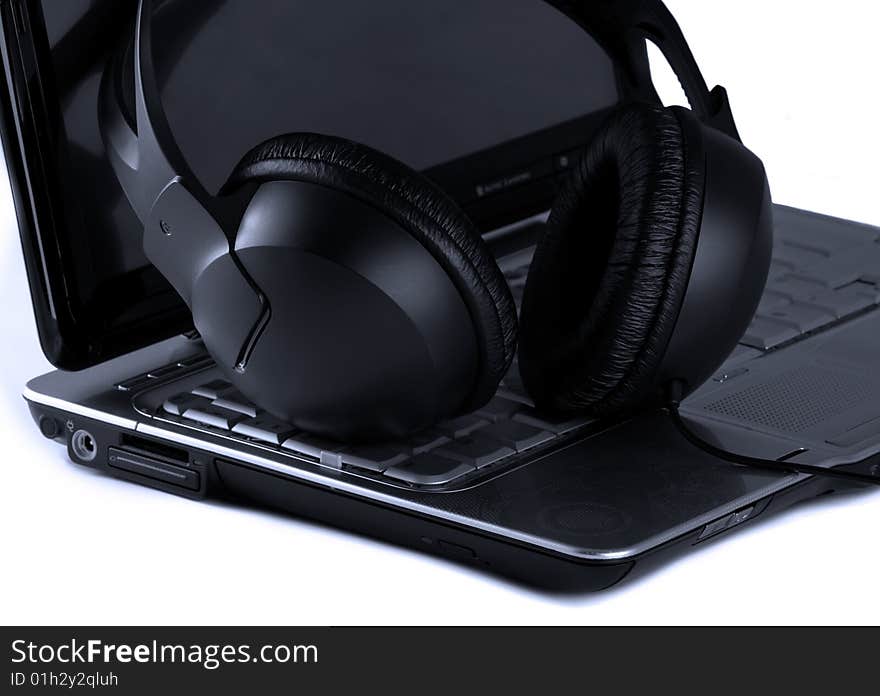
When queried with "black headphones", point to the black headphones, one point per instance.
{"points": [[346, 294]]}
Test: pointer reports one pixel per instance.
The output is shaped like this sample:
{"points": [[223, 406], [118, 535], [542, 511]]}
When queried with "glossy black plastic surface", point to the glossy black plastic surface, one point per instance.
{"points": [[534, 564], [577, 518], [609, 498], [93, 294]]}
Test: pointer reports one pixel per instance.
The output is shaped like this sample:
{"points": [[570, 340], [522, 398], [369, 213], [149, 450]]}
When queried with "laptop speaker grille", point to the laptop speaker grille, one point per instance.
{"points": [[796, 401]]}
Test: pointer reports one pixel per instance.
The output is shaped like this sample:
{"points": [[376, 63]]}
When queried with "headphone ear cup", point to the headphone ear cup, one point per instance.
{"points": [[610, 275], [421, 208]]}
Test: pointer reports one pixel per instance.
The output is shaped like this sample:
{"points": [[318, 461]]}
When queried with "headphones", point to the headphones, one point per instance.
{"points": [[348, 295]]}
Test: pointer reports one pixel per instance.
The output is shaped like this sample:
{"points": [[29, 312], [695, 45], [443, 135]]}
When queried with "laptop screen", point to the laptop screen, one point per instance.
{"points": [[470, 93]]}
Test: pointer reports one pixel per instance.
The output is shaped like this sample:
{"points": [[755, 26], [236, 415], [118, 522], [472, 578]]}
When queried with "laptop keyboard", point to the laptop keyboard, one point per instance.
{"points": [[494, 436], [815, 282]]}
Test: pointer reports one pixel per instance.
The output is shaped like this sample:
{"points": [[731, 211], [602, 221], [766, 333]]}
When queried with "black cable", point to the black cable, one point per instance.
{"points": [[674, 408]]}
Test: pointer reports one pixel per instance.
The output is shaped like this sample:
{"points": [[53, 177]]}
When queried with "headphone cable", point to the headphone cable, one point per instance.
{"points": [[674, 410]]}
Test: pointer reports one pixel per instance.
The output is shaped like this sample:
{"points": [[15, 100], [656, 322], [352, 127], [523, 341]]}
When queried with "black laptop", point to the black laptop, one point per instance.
{"points": [[565, 504]]}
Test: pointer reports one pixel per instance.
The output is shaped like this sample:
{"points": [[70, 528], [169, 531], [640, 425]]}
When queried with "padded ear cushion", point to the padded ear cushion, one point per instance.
{"points": [[424, 211], [610, 275]]}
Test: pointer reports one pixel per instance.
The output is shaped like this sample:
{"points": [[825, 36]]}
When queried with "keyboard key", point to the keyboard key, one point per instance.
{"points": [[513, 380], [376, 458], [513, 389], [331, 459], [236, 402], [426, 441], [831, 275], [430, 470], [842, 303], [772, 301], [795, 288], [779, 270], [499, 409], [180, 404], [520, 396], [476, 450], [764, 334], [820, 296], [846, 267], [558, 425], [823, 240], [213, 416], [796, 257], [518, 436], [803, 317], [213, 390], [265, 429], [463, 426], [313, 446]]}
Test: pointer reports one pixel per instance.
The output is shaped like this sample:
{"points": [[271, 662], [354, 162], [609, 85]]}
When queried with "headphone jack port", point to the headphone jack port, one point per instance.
{"points": [[84, 446]]}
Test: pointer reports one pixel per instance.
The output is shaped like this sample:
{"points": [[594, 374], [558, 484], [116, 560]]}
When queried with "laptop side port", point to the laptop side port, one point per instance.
{"points": [[84, 446], [153, 469]]}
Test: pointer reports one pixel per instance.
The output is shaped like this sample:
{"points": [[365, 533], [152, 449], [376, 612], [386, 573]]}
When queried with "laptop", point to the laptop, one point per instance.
{"points": [[573, 505]]}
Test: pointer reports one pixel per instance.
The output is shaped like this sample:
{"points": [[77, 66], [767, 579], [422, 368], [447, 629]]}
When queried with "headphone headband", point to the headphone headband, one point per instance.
{"points": [[147, 162], [621, 27]]}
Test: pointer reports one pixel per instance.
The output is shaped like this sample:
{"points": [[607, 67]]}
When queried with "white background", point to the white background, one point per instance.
{"points": [[79, 548]]}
